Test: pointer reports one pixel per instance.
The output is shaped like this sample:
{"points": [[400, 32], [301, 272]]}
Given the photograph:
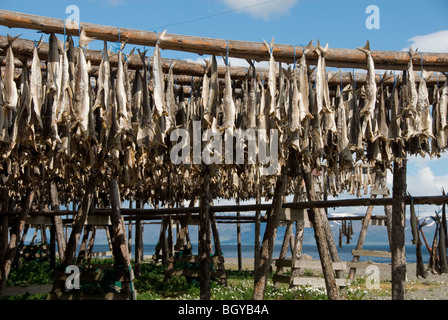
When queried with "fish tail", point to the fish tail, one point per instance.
{"points": [[12, 39], [309, 48], [162, 36], [366, 48], [83, 39], [142, 54]]}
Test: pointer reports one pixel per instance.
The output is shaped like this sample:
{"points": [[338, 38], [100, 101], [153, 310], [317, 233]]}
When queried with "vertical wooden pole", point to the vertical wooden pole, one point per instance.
{"points": [[364, 226], [170, 238], [238, 237], [285, 244], [78, 224], [109, 238], [321, 241], [130, 229], [217, 243], [83, 246], [257, 232], [398, 234], [297, 251], [362, 236], [4, 224], [90, 245], [204, 236], [52, 245], [16, 230], [164, 241], [138, 242], [330, 241], [267, 246], [43, 233], [121, 253]]}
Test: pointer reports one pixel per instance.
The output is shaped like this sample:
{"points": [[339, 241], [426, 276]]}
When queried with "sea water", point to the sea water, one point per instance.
{"points": [[247, 251]]}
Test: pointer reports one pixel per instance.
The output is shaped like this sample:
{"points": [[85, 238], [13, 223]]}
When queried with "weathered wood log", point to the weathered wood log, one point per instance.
{"points": [[297, 251], [342, 58], [398, 233], [217, 243], [78, 224], [138, 243], [16, 230], [185, 70], [59, 227], [89, 252], [257, 231], [321, 242], [267, 245], [363, 232], [121, 254], [204, 236], [238, 237], [83, 246], [4, 223], [284, 248], [152, 213]]}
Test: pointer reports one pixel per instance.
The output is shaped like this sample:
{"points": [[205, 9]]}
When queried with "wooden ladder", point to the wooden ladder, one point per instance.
{"points": [[295, 278]]}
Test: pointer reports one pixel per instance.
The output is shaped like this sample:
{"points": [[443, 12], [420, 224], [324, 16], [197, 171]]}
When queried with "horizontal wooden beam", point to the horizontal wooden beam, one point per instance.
{"points": [[363, 202], [184, 70], [341, 58]]}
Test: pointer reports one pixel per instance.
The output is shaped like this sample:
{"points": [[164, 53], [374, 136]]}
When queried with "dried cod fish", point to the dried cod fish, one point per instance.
{"points": [[159, 81], [371, 92], [272, 77], [10, 97], [36, 90]]}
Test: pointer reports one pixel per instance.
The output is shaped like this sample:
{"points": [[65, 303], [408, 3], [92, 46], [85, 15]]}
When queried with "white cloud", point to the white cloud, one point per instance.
{"points": [[425, 183], [262, 9], [433, 42]]}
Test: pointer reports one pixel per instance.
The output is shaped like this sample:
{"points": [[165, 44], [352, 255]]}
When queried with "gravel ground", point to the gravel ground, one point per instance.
{"points": [[434, 287]]}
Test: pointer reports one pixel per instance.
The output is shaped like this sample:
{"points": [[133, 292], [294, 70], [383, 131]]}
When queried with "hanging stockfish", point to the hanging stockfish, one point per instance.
{"points": [[65, 97], [423, 107], [170, 117], [440, 139], [158, 80], [205, 90], [82, 105], [137, 99], [210, 110], [10, 95], [354, 127], [145, 132], [121, 96], [22, 132], [343, 148], [252, 99], [272, 78], [370, 96], [394, 132], [36, 90], [411, 114], [323, 92]]}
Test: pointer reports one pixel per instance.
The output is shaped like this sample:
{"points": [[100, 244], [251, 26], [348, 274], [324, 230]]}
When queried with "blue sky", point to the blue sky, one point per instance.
{"points": [[341, 24]]}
